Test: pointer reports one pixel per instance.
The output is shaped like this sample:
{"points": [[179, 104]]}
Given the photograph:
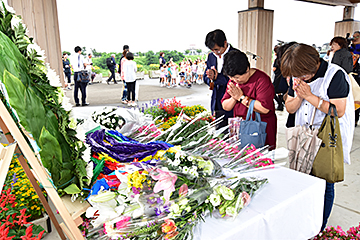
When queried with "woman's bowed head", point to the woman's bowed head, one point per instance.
{"points": [[301, 62], [237, 68]]}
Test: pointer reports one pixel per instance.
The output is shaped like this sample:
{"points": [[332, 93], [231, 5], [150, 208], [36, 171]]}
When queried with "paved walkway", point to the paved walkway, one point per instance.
{"points": [[346, 210]]}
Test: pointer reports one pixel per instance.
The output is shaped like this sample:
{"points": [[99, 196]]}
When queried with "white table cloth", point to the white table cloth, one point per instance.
{"points": [[290, 206]]}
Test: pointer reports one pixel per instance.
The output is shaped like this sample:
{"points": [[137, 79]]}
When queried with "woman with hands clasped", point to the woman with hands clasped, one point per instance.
{"points": [[316, 84], [249, 84]]}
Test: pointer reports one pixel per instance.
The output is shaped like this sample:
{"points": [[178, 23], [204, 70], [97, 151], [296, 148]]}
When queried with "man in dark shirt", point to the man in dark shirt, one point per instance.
{"points": [[213, 76], [112, 69]]}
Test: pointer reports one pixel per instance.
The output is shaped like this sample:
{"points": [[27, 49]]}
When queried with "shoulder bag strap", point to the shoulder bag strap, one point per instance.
{"points": [[250, 110]]}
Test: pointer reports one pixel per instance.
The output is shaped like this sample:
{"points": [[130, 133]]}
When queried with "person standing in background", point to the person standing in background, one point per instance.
{"points": [[78, 65], [355, 49], [89, 66], [111, 65], [342, 56], [67, 69], [122, 76], [213, 76], [129, 69]]}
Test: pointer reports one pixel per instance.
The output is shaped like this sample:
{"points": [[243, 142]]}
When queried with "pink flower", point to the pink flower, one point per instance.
{"points": [[166, 181], [123, 222], [183, 190], [246, 198]]}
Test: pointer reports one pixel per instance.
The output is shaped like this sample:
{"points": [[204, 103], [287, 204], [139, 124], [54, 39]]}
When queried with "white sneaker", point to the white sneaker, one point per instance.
{"points": [[68, 88]]}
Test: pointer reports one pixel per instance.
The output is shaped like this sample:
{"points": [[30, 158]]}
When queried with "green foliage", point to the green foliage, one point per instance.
{"points": [[154, 67], [152, 58], [140, 60], [139, 67], [37, 105], [95, 53]]}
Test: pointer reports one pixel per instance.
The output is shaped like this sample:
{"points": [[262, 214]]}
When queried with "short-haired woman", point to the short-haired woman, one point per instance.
{"points": [[342, 56], [315, 84], [249, 84]]}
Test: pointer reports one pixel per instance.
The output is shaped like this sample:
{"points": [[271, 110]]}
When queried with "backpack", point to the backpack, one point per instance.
{"points": [[109, 62], [84, 76]]}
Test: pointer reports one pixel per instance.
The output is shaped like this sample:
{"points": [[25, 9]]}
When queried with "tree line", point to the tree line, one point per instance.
{"points": [[150, 57]]}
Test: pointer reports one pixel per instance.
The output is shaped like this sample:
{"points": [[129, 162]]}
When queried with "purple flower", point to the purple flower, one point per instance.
{"points": [[14, 179], [157, 211], [167, 209], [136, 190], [159, 201], [151, 200]]}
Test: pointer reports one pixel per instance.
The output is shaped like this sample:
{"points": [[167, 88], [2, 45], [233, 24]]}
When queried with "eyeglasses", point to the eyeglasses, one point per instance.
{"points": [[356, 37]]}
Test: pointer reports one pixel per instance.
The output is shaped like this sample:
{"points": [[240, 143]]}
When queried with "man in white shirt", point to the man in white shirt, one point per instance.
{"points": [[78, 65]]}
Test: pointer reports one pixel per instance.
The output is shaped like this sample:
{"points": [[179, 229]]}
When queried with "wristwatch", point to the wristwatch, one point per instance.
{"points": [[241, 98]]}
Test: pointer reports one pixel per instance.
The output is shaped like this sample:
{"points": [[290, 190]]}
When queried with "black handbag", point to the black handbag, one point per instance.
{"points": [[83, 76]]}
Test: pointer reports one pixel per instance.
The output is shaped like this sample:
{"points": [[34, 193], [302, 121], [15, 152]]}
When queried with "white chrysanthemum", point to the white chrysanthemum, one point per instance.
{"points": [[15, 21], [39, 51], [215, 199], [54, 79], [87, 153], [185, 170], [177, 162], [89, 170], [66, 104], [8, 8]]}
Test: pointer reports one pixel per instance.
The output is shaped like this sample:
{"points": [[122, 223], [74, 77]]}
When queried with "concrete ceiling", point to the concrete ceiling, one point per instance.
{"points": [[334, 2]]}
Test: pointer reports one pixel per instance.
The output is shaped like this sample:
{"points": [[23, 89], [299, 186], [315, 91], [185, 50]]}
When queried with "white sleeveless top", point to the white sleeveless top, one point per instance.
{"points": [[347, 122]]}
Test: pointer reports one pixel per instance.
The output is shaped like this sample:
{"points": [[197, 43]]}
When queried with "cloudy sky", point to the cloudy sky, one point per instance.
{"points": [[166, 25]]}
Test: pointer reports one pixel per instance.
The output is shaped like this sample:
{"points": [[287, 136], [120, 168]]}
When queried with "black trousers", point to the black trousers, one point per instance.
{"points": [[112, 76], [68, 76], [357, 112], [79, 85], [131, 91]]}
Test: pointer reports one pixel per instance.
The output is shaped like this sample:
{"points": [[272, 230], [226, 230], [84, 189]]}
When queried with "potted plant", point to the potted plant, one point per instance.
{"points": [[14, 221], [25, 195], [154, 71], [140, 72]]}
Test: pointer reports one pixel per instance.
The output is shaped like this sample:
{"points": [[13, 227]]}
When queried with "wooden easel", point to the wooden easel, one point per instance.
{"points": [[22, 148]]}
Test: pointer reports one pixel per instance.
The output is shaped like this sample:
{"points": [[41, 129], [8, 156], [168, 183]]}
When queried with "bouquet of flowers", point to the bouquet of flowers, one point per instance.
{"points": [[167, 200], [109, 119], [230, 198]]}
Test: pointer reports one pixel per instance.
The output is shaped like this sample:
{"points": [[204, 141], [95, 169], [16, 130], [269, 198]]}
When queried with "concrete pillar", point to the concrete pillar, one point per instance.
{"points": [[256, 34], [348, 24], [256, 4], [41, 19]]}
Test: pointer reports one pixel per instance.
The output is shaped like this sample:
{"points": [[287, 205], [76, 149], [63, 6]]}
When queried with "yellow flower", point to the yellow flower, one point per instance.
{"points": [[35, 196]]}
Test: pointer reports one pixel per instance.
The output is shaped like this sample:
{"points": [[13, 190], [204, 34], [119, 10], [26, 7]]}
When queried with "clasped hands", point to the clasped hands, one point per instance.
{"points": [[234, 91], [212, 73], [301, 88]]}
